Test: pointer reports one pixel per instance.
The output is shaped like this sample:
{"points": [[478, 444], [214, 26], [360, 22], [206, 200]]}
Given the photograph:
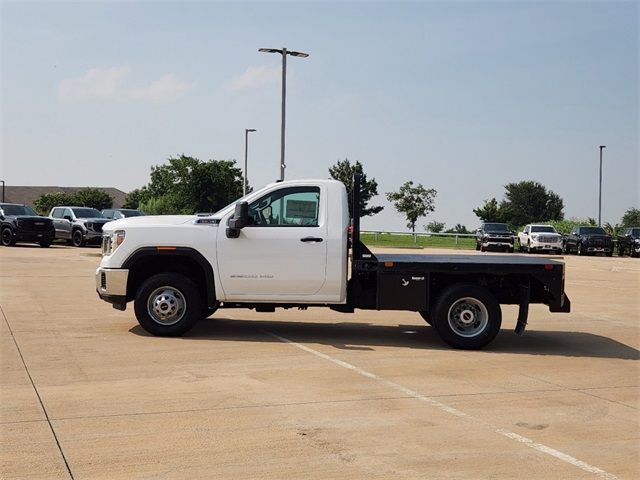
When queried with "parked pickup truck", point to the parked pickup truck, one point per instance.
{"points": [[543, 238], [286, 246], [629, 242], [586, 240]]}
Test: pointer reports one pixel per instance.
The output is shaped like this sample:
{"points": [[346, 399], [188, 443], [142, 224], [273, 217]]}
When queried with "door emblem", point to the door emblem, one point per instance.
{"points": [[405, 282]]}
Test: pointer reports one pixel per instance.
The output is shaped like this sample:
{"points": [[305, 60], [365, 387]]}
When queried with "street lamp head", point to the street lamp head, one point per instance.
{"points": [[298, 54], [250, 129], [603, 146], [269, 50]]}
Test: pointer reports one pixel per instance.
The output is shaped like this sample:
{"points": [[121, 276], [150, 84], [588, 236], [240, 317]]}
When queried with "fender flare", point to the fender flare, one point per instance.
{"points": [[191, 253]]}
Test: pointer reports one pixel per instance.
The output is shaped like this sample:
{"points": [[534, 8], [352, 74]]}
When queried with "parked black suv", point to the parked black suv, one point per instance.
{"points": [[586, 240], [629, 242], [19, 223], [496, 236]]}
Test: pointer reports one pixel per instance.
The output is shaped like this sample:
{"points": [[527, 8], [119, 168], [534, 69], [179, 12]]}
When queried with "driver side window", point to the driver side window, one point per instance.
{"points": [[287, 207]]}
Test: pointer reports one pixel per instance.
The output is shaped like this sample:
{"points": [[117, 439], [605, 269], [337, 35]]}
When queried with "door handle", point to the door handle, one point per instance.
{"points": [[311, 239]]}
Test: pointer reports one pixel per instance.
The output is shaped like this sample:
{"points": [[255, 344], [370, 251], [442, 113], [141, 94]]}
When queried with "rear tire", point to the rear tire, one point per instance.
{"points": [[45, 243], [467, 316], [580, 250], [8, 238], [168, 304]]}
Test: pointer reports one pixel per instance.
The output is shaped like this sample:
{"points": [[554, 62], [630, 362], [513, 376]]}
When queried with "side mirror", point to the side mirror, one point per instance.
{"points": [[238, 220], [67, 217]]}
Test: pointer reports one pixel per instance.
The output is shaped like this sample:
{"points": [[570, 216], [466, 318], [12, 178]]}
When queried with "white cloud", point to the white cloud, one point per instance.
{"points": [[96, 83], [110, 83], [255, 77], [167, 87]]}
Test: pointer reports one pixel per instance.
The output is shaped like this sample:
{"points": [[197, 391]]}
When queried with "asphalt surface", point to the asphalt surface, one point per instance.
{"points": [[86, 393]]}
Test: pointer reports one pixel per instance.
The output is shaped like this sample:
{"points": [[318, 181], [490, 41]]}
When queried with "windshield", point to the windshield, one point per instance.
{"points": [[497, 227], [592, 230], [544, 229], [131, 213], [87, 213], [635, 232], [18, 210]]}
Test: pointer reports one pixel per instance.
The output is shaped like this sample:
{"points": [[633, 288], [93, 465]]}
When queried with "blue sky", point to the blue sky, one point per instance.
{"points": [[462, 97]]}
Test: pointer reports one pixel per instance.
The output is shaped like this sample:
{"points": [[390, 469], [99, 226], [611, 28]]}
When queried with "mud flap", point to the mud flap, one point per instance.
{"points": [[523, 308]]}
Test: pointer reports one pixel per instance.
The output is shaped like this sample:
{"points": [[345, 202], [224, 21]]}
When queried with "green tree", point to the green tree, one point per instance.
{"points": [[92, 197], [631, 218], [459, 228], [489, 212], [44, 203], [188, 185], [344, 170], [135, 197], [434, 227], [413, 201], [524, 202], [162, 205]]}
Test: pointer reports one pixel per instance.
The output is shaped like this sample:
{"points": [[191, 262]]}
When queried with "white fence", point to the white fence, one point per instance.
{"points": [[377, 233]]}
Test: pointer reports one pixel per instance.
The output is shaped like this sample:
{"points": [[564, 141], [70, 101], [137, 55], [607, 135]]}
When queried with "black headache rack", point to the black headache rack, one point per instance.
{"points": [[413, 282]]}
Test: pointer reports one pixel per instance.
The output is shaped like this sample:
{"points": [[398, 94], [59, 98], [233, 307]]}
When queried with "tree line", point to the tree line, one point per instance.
{"points": [[187, 185]]}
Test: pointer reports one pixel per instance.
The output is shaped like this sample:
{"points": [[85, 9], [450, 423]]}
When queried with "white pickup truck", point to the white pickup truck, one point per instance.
{"points": [[286, 245], [540, 238]]}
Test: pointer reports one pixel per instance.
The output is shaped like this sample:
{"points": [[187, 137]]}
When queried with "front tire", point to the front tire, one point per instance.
{"points": [[467, 317], [168, 305], [78, 238], [45, 243], [8, 238], [580, 250]]}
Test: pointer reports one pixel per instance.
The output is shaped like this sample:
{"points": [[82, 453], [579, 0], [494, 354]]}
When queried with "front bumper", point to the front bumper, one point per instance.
{"points": [[34, 235], [111, 285], [538, 245]]}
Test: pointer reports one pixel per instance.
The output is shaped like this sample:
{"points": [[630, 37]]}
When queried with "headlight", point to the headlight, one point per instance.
{"points": [[111, 241], [534, 237]]}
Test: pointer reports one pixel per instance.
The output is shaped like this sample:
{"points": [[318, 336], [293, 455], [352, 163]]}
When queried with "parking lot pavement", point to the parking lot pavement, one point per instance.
{"points": [[86, 393]]}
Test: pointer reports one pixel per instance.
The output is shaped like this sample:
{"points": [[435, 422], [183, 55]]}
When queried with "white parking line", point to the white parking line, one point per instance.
{"points": [[453, 411]]}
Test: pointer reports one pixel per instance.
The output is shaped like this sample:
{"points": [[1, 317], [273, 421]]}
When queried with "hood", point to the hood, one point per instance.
{"points": [[94, 220], [29, 217], [149, 220], [595, 235]]}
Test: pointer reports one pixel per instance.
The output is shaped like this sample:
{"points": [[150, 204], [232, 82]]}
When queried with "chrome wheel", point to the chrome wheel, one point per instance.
{"points": [[468, 317], [166, 305]]}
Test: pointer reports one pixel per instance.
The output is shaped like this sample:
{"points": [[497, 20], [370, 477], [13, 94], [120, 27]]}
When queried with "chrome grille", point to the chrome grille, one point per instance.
{"points": [[548, 239]]}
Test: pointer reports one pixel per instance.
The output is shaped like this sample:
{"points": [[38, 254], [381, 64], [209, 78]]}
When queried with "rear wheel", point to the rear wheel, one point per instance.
{"points": [[168, 304], [45, 243], [467, 316], [8, 238]]}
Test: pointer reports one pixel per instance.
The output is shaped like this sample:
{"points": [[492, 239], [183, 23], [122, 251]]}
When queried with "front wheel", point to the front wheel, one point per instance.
{"points": [[580, 250], [168, 304], [45, 243], [78, 238], [467, 316], [8, 238]]}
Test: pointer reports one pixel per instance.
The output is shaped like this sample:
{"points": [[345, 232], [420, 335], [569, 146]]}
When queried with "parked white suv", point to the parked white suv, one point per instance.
{"points": [[540, 238]]}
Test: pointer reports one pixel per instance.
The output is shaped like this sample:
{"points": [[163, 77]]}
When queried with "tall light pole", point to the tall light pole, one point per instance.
{"points": [[602, 147], [284, 52], [246, 151], [2, 190]]}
